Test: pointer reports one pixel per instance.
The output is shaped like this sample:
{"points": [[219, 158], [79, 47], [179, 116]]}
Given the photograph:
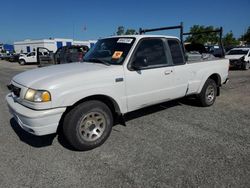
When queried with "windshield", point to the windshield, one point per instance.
{"points": [[237, 52], [111, 50]]}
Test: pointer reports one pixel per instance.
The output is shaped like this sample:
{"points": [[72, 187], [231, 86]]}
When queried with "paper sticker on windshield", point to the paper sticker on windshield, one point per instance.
{"points": [[117, 55], [125, 40]]}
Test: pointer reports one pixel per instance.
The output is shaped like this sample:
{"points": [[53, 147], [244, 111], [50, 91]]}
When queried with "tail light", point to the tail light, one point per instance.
{"points": [[80, 57]]}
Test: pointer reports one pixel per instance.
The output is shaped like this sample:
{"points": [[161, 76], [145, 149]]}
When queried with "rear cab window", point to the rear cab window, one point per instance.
{"points": [[176, 52]]}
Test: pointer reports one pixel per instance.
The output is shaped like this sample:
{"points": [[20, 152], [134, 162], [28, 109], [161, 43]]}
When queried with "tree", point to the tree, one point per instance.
{"points": [[203, 38], [230, 40], [130, 32], [121, 31], [246, 36]]}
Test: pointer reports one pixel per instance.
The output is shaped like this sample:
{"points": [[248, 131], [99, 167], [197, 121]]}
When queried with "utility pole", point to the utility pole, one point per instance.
{"points": [[73, 30]]}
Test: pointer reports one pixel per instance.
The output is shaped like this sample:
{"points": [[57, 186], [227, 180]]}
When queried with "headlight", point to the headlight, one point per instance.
{"points": [[242, 58], [37, 95]]}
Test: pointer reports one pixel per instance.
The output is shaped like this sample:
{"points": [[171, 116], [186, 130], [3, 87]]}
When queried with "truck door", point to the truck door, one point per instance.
{"points": [[149, 77], [45, 57], [181, 70], [31, 57]]}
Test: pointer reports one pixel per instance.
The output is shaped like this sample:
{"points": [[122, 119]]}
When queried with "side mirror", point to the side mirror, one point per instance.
{"points": [[140, 62]]}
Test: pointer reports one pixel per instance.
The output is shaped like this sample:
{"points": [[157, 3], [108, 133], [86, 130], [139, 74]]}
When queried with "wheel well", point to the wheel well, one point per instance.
{"points": [[216, 78], [111, 103]]}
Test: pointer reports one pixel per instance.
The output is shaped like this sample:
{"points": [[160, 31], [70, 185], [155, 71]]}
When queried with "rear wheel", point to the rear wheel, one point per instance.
{"points": [[208, 93], [22, 62], [88, 125]]}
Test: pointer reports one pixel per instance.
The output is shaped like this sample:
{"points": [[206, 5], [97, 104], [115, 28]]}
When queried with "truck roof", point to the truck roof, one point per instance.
{"points": [[143, 36]]}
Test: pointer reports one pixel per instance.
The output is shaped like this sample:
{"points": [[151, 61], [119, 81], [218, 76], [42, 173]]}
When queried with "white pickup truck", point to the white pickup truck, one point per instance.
{"points": [[119, 75], [29, 58]]}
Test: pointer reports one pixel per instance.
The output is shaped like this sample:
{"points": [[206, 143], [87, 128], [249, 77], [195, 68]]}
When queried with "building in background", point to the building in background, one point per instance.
{"points": [[27, 46]]}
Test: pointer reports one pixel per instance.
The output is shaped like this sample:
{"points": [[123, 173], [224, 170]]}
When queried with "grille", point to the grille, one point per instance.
{"points": [[234, 61], [15, 90]]}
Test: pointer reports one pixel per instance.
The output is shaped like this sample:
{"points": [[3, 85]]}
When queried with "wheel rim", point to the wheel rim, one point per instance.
{"points": [[210, 93], [92, 126]]}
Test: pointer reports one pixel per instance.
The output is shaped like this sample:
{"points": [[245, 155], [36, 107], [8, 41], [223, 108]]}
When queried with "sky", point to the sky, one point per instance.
{"points": [[90, 20]]}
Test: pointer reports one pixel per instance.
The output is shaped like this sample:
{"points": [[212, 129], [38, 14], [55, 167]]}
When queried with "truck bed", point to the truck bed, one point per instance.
{"points": [[197, 58]]}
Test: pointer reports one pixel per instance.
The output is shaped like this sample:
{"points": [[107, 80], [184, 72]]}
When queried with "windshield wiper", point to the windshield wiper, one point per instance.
{"points": [[96, 60]]}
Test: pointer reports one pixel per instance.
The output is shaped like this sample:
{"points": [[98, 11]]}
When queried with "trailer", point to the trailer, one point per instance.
{"points": [[27, 46]]}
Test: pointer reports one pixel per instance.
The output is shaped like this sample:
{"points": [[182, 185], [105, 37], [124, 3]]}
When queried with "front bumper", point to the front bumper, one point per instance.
{"points": [[236, 62], [37, 122]]}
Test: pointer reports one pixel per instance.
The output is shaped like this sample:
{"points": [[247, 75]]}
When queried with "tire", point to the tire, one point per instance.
{"points": [[208, 93], [88, 125], [22, 62], [246, 65]]}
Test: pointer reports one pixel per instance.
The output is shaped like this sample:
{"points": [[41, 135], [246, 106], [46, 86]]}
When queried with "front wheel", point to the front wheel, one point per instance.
{"points": [[22, 62], [208, 93], [88, 125]]}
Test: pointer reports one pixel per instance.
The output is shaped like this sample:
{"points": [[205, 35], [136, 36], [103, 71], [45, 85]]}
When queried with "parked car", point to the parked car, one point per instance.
{"points": [[119, 75], [215, 50], [65, 54], [239, 58], [5, 56], [14, 58]]}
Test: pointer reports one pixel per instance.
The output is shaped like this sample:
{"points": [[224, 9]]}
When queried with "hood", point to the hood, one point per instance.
{"points": [[49, 77], [234, 56]]}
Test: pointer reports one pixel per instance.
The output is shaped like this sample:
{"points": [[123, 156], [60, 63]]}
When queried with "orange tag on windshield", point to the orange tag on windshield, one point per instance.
{"points": [[117, 55]]}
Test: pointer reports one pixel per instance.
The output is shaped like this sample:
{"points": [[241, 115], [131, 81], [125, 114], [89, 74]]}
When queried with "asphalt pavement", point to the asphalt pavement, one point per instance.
{"points": [[174, 144]]}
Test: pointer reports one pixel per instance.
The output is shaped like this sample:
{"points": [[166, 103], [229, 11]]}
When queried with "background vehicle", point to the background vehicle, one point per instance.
{"points": [[1, 56], [28, 58], [65, 54], [239, 58], [215, 50], [14, 58], [5, 56]]}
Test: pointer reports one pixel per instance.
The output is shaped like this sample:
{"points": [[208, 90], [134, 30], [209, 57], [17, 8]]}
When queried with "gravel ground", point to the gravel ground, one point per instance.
{"points": [[174, 144]]}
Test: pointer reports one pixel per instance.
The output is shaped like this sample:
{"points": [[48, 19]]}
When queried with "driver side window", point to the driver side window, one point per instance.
{"points": [[31, 54], [153, 51]]}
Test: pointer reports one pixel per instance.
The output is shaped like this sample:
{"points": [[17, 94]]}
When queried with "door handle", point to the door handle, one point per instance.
{"points": [[167, 72]]}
